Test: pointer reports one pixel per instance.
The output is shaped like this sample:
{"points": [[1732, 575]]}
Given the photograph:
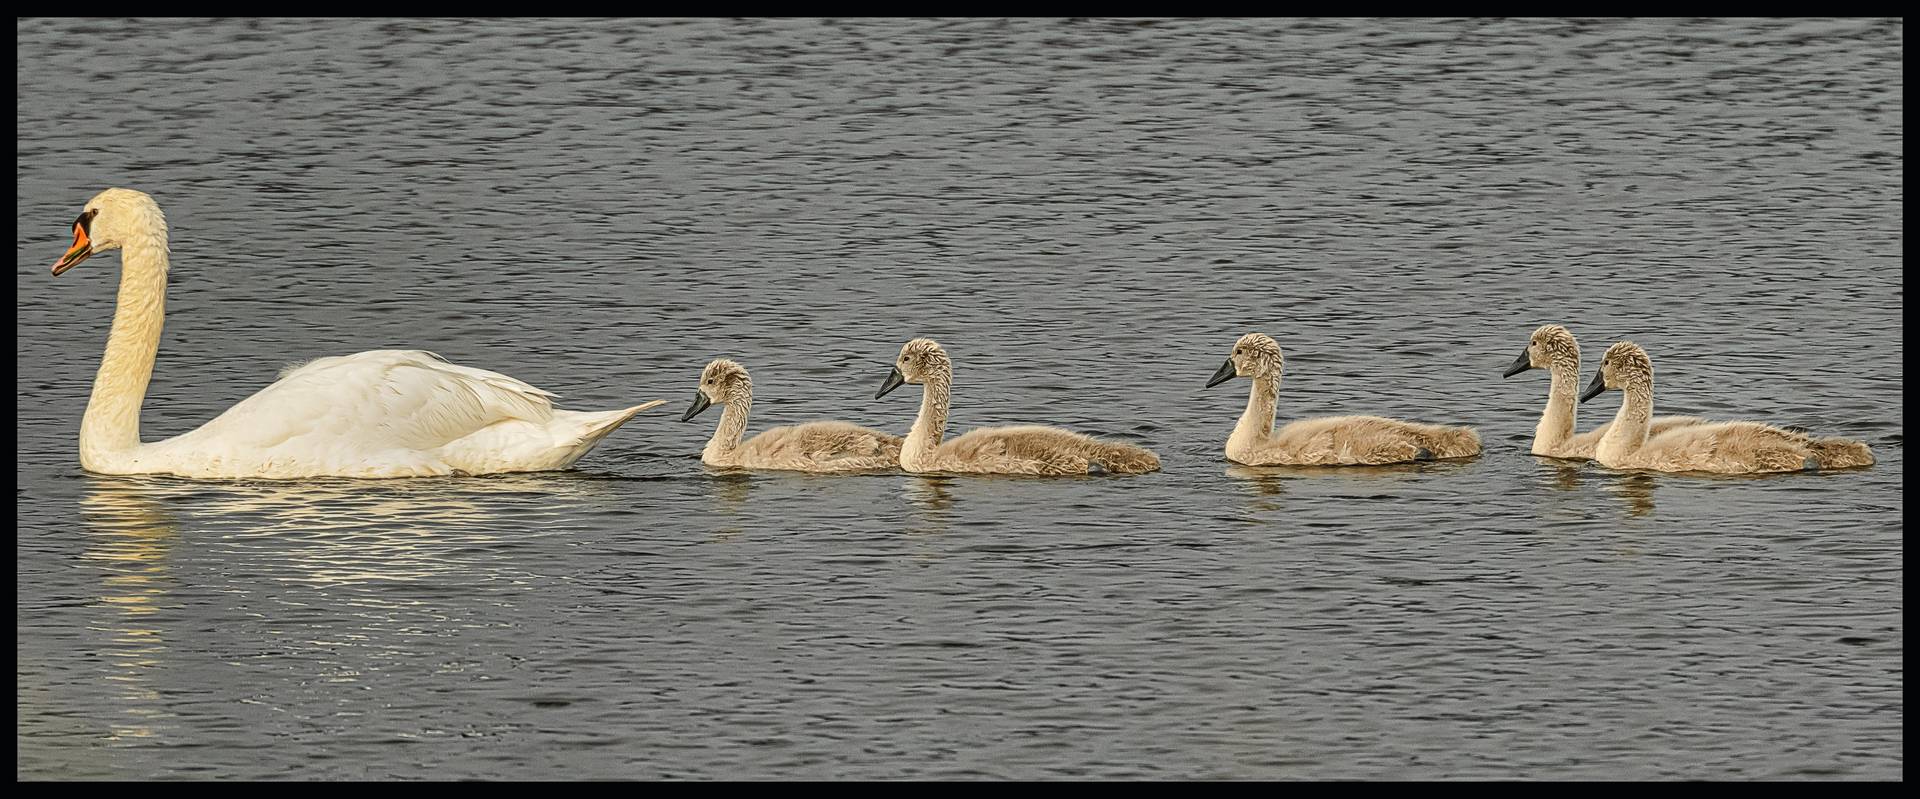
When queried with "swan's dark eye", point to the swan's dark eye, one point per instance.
{"points": [[1236, 350]]}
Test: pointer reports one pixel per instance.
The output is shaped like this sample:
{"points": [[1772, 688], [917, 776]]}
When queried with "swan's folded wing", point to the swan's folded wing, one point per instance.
{"points": [[851, 442], [379, 399], [824, 442], [1033, 443]]}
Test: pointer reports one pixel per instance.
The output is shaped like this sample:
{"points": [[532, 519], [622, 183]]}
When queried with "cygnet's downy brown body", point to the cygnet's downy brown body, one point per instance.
{"points": [[1720, 447], [810, 447], [994, 450], [1554, 349], [1327, 440]]}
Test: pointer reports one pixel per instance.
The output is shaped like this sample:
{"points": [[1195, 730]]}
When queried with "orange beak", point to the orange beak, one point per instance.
{"points": [[81, 249]]}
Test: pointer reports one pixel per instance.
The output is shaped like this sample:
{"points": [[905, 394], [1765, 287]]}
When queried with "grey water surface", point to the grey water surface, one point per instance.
{"points": [[1087, 214]]}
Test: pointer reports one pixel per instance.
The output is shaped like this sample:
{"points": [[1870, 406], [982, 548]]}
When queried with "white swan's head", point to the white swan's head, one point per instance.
{"points": [[1254, 355], [919, 359], [108, 221], [1625, 366], [723, 381], [1551, 345]]}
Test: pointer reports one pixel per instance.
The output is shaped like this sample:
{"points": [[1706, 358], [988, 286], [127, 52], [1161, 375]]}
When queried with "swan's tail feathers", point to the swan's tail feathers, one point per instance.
{"points": [[1840, 453], [1122, 458], [599, 425], [618, 418], [644, 406], [1453, 442]]}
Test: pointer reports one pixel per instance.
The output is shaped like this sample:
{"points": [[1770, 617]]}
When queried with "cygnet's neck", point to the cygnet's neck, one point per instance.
{"points": [[725, 444], [1557, 422], [1256, 424], [930, 427]]}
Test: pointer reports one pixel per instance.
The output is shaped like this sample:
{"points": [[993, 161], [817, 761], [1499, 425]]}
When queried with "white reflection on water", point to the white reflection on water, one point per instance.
{"points": [[397, 565], [130, 537], [344, 532]]}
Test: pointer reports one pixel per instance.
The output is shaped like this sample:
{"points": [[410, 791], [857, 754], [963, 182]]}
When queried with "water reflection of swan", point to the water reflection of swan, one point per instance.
{"points": [[1265, 481], [1271, 476], [930, 493], [1269, 483], [729, 489], [1637, 490], [130, 538], [341, 531], [329, 532], [1566, 475], [327, 580], [932, 502]]}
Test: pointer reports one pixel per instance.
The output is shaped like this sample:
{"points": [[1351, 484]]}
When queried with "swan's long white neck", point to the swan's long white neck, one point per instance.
{"points": [[724, 446], [1256, 424], [110, 430], [1630, 425], [930, 427], [1558, 421]]}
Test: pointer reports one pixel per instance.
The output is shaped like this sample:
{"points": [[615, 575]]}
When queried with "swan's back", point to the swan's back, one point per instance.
{"points": [[1331, 440], [1743, 447], [1582, 445], [821, 446], [1035, 449], [383, 398], [385, 413]]}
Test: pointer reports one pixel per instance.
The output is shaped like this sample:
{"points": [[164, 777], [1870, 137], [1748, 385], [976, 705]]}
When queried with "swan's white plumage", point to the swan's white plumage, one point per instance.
{"points": [[381, 413]]}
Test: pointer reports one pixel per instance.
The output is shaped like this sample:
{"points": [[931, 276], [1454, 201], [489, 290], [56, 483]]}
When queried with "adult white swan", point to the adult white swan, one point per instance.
{"points": [[383, 413]]}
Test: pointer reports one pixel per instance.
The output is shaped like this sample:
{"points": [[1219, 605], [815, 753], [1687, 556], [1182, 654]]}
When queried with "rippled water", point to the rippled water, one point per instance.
{"points": [[1087, 214]]}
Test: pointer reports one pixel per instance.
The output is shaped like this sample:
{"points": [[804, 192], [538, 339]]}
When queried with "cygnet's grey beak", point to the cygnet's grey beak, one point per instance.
{"points": [[894, 381], [1594, 388], [700, 403], [1520, 364], [1225, 373]]}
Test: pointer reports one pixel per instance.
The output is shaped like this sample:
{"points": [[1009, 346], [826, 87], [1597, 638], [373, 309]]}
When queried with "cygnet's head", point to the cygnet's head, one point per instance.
{"points": [[919, 359], [1625, 365], [1551, 345], [1254, 355], [723, 381]]}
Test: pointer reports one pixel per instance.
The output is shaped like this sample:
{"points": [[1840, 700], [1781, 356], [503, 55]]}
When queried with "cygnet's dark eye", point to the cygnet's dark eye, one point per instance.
{"points": [[1236, 350]]}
